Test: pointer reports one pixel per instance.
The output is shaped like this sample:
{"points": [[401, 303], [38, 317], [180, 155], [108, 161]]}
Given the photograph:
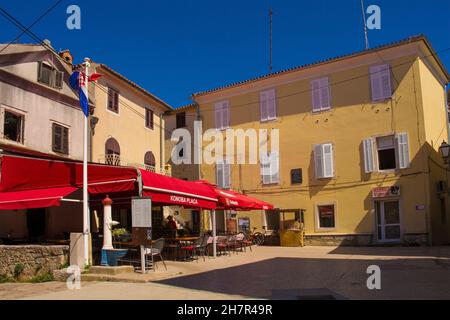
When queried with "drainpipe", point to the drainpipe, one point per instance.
{"points": [[198, 135]]}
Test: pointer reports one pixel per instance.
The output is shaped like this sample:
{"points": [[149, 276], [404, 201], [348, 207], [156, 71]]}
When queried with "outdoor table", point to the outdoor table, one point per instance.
{"points": [[177, 243]]}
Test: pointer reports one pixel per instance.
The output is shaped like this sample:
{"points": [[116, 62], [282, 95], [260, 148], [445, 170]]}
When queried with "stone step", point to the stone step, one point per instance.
{"points": [[111, 278], [100, 270]]}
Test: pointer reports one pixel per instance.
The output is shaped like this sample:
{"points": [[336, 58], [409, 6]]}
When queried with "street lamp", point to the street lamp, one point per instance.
{"points": [[445, 151]]}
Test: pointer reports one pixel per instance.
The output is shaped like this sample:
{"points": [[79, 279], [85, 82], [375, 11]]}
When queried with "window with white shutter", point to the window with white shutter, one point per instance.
{"points": [[268, 105], [223, 174], [380, 80], [222, 115], [321, 94], [368, 155], [270, 168], [403, 150], [324, 161]]}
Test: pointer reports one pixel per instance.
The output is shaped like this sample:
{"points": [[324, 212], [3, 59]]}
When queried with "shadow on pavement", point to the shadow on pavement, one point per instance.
{"points": [[302, 279]]}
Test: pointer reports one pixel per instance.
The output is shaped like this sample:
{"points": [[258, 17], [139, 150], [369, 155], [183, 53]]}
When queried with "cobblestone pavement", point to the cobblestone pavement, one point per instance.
{"points": [[274, 273]]}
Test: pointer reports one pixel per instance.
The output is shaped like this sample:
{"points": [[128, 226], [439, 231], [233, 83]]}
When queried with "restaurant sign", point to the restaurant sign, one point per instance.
{"points": [[184, 200], [386, 192]]}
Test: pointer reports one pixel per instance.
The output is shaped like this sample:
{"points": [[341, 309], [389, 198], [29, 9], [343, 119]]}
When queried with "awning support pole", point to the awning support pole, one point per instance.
{"points": [[214, 233]]}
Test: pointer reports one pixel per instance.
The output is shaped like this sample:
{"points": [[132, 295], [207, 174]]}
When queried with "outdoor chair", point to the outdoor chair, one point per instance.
{"points": [[246, 241], [240, 237], [201, 246], [188, 250], [156, 250], [222, 246], [233, 244]]}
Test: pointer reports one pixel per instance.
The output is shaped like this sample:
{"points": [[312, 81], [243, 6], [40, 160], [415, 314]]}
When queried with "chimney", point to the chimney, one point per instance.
{"points": [[66, 55]]}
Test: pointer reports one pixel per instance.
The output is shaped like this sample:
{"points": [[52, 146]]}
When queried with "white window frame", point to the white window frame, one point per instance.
{"points": [[321, 106], [272, 156], [265, 98], [402, 149], [323, 229], [223, 164], [219, 108], [319, 149], [375, 74]]}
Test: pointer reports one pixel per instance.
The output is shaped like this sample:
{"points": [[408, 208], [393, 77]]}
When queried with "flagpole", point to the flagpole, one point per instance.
{"points": [[86, 222]]}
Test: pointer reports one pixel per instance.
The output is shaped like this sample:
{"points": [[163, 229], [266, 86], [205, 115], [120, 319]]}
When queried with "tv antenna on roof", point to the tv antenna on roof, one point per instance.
{"points": [[271, 39], [366, 35]]}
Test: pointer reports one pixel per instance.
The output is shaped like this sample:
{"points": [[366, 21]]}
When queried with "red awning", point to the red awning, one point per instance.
{"points": [[174, 191], [33, 199], [21, 174], [232, 200]]}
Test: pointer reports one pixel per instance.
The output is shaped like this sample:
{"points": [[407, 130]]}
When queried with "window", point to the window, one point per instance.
{"points": [[321, 99], [443, 210], [324, 161], [181, 120], [222, 113], [223, 174], [149, 118], [244, 225], [270, 167], [326, 216], [113, 100], [296, 176], [386, 153], [392, 152], [50, 76], [380, 80], [268, 105], [112, 152], [13, 127], [60, 141]]}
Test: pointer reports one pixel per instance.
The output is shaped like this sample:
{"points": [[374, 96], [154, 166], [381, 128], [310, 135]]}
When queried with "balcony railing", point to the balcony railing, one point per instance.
{"points": [[116, 160]]}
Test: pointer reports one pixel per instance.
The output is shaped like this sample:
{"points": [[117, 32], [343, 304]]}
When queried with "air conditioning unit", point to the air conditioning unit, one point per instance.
{"points": [[441, 187]]}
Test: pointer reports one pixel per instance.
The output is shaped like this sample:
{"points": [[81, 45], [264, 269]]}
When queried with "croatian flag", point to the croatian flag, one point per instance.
{"points": [[79, 81]]}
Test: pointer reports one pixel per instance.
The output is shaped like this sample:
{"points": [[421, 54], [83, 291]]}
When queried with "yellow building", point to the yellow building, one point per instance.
{"points": [[359, 158], [128, 123]]}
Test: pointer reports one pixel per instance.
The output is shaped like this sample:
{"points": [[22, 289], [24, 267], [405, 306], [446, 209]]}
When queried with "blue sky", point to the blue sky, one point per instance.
{"points": [[174, 48]]}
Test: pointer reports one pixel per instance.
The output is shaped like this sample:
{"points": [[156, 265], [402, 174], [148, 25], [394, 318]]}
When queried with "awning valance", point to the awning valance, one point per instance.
{"points": [[233, 200], [22, 174], [178, 192], [33, 199]]}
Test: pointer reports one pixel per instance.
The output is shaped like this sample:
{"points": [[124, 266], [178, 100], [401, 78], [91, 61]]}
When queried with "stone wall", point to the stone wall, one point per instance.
{"points": [[36, 260], [339, 240]]}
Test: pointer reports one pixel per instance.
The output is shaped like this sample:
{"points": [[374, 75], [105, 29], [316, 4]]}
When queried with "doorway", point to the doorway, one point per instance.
{"points": [[388, 220], [36, 224], [195, 221]]}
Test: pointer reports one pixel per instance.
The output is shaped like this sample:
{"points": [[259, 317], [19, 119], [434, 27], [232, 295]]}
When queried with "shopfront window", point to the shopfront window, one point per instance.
{"points": [[326, 217]]}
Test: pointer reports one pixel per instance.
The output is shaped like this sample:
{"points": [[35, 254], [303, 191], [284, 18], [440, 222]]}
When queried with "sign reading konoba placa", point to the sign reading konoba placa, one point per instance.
{"points": [[184, 200], [386, 192]]}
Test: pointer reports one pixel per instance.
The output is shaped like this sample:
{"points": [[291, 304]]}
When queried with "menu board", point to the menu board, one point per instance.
{"points": [[141, 209]]}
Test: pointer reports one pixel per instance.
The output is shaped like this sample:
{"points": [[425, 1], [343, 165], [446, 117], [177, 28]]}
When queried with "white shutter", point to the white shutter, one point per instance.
{"points": [[315, 89], [385, 81], [264, 106], [375, 81], [219, 174], [324, 94], [227, 175], [274, 167], [403, 150], [368, 155], [225, 115], [265, 168], [328, 163], [272, 104], [318, 159], [218, 111]]}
